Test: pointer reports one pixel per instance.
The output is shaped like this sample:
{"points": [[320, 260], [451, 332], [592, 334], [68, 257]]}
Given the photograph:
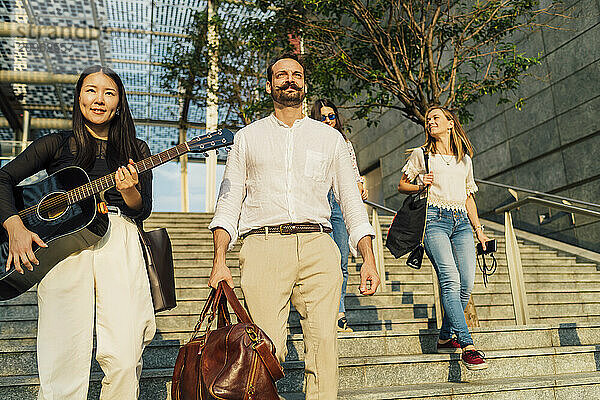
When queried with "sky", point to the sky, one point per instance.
{"points": [[167, 186]]}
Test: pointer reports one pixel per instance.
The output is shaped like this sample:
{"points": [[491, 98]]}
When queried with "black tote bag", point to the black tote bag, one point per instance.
{"points": [[406, 231], [158, 254]]}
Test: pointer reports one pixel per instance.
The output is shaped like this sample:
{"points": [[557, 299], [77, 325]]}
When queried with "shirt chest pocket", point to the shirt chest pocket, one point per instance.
{"points": [[315, 166]]}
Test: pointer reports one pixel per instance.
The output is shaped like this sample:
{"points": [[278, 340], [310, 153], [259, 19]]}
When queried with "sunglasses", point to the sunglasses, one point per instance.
{"points": [[330, 116]]}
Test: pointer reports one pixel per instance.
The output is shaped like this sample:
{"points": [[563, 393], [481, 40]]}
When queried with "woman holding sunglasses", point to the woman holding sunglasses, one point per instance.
{"points": [[325, 111]]}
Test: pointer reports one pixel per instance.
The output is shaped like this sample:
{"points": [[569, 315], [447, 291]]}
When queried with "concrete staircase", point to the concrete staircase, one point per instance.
{"points": [[391, 354]]}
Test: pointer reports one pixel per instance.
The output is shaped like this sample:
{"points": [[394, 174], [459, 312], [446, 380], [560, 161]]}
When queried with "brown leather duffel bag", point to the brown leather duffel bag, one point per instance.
{"points": [[233, 362]]}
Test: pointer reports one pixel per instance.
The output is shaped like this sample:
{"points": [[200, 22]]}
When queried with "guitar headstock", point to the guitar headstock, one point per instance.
{"points": [[210, 141]]}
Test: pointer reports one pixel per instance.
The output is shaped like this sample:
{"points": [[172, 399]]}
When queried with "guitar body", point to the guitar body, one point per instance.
{"points": [[65, 230]]}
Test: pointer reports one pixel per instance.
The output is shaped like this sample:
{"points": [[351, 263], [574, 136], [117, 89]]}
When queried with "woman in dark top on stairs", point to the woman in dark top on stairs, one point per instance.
{"points": [[106, 283]]}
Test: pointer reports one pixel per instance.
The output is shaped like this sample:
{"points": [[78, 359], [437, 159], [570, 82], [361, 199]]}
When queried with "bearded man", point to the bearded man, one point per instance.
{"points": [[274, 194]]}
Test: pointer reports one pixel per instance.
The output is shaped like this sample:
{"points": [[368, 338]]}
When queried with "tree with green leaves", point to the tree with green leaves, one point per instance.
{"points": [[241, 71], [406, 54]]}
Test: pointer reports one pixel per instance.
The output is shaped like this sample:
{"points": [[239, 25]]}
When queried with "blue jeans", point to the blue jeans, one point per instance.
{"points": [[340, 236], [450, 246]]}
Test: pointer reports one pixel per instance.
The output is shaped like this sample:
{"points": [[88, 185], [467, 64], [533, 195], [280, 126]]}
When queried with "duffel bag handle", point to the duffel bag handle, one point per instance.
{"points": [[239, 311], [208, 306], [223, 313], [219, 309]]}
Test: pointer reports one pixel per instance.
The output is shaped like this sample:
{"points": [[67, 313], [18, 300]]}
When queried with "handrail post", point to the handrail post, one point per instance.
{"points": [[515, 272], [437, 298], [25, 137], [378, 251]]}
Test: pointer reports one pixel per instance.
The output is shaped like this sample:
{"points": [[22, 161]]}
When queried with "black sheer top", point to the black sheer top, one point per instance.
{"points": [[56, 151]]}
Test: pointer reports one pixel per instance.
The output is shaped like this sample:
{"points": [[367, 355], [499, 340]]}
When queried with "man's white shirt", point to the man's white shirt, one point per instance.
{"points": [[277, 174]]}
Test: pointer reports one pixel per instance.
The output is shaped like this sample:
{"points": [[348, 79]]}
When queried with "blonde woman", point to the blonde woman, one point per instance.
{"points": [[448, 235]]}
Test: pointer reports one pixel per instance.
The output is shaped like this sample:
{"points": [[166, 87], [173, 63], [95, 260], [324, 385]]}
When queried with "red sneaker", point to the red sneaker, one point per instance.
{"points": [[450, 347], [474, 359]]}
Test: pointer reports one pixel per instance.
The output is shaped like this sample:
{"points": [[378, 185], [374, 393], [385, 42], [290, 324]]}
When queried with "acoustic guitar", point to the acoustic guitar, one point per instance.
{"points": [[62, 210]]}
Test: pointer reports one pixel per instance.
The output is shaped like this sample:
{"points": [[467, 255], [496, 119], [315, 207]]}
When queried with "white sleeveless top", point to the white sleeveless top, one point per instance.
{"points": [[452, 183]]}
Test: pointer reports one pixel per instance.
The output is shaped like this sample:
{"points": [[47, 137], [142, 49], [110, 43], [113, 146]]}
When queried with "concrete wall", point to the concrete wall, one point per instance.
{"points": [[552, 144]]}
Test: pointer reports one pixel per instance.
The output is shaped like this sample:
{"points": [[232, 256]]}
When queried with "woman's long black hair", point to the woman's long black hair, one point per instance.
{"points": [[121, 144], [316, 114]]}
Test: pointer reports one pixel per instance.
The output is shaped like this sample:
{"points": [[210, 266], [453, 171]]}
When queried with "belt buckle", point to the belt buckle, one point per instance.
{"points": [[281, 229], [114, 210]]}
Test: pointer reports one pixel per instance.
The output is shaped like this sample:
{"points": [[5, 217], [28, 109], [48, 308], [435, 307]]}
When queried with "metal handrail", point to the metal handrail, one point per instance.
{"points": [[378, 242], [514, 264], [537, 193], [548, 203], [513, 255], [380, 207]]}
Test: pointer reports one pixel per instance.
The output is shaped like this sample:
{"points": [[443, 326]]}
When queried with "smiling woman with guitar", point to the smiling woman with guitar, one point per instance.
{"points": [[106, 274]]}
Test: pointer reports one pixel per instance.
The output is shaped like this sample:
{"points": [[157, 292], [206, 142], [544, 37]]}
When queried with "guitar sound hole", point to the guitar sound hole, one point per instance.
{"points": [[52, 206]]}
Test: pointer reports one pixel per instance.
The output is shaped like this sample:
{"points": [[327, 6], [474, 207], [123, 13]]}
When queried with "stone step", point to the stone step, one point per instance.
{"points": [[425, 286], [385, 371], [23, 360], [569, 273], [377, 370], [416, 341], [385, 307], [561, 386], [482, 297], [20, 360], [205, 264], [156, 385], [563, 319], [355, 313], [359, 314], [423, 341], [185, 324], [405, 275], [533, 260]]}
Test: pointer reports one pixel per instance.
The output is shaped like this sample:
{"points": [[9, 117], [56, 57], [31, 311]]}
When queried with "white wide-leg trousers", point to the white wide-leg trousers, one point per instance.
{"points": [[109, 280]]}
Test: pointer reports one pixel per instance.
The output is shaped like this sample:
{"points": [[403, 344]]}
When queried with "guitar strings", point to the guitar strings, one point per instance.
{"points": [[83, 190], [93, 187], [88, 189]]}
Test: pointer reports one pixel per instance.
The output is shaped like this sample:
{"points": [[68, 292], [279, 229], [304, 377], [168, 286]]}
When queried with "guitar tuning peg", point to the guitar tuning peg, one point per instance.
{"points": [[205, 155]]}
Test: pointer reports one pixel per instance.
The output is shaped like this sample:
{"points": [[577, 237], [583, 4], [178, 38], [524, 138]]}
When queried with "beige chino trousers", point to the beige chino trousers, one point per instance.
{"points": [[109, 279], [303, 269]]}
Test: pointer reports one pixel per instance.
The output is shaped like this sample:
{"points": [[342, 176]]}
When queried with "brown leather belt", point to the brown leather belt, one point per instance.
{"points": [[289, 229]]}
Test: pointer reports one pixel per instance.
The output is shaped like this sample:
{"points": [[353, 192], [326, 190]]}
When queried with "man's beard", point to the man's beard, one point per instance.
{"points": [[279, 95]]}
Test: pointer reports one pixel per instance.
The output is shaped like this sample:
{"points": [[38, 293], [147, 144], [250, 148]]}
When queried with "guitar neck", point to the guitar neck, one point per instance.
{"points": [[108, 181]]}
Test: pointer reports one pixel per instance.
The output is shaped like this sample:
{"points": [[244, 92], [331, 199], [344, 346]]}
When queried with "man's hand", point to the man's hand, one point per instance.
{"points": [[220, 271], [368, 272]]}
